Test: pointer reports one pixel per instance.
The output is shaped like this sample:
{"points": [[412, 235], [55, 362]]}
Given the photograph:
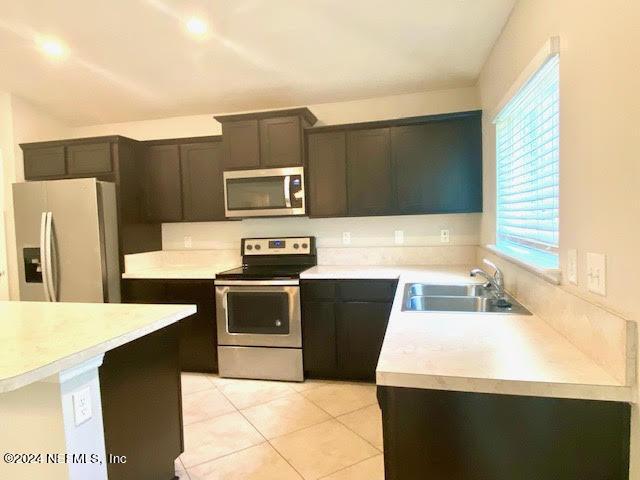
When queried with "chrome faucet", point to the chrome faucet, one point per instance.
{"points": [[496, 280]]}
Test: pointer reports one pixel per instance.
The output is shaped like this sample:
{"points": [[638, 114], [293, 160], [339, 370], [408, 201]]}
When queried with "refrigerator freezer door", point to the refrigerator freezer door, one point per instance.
{"points": [[30, 202], [77, 265]]}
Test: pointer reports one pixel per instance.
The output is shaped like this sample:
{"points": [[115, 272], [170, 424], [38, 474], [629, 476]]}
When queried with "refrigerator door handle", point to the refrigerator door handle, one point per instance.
{"points": [[49, 258], [43, 255]]}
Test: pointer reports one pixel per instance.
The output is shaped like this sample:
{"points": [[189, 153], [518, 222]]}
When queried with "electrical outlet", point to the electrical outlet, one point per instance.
{"points": [[597, 273], [188, 243], [82, 405], [572, 266], [346, 238], [444, 236], [398, 237]]}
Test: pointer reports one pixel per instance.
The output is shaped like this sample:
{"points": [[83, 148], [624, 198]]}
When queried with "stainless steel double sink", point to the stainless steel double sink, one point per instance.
{"points": [[458, 298]]}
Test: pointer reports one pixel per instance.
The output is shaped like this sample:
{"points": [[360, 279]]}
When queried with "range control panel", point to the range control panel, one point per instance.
{"points": [[276, 246]]}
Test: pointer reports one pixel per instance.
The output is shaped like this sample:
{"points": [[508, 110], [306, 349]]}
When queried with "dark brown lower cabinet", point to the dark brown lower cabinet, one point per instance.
{"points": [[142, 406], [319, 339], [343, 326], [198, 337], [360, 330], [476, 436]]}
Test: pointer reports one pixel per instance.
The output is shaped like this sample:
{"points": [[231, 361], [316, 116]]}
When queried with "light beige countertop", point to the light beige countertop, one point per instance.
{"points": [[40, 339], [382, 272], [186, 272], [485, 352], [180, 264]]}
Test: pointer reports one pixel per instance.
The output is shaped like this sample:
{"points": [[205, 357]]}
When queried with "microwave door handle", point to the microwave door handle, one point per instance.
{"points": [[287, 191], [43, 256]]}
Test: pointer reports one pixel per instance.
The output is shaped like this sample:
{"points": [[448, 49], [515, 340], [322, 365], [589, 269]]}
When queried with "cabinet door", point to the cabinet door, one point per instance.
{"points": [[438, 166], [280, 142], [319, 339], [369, 182], [198, 335], [89, 159], [360, 329], [241, 145], [163, 190], [44, 162], [327, 174], [202, 185]]}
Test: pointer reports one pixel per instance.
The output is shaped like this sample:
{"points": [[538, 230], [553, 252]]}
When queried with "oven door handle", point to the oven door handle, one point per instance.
{"points": [[294, 282], [287, 191]]}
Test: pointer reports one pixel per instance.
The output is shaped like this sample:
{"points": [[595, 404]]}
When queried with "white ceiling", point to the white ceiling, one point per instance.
{"points": [[133, 59]]}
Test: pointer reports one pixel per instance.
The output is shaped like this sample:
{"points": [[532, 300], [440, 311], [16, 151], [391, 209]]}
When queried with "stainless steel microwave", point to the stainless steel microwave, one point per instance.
{"points": [[264, 193]]}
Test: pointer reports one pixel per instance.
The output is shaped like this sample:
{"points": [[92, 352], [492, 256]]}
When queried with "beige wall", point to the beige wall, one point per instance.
{"points": [[381, 108], [6, 162], [419, 230], [599, 138], [374, 231], [599, 130], [21, 122]]}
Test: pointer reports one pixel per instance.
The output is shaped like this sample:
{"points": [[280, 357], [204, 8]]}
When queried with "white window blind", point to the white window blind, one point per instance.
{"points": [[527, 159]]}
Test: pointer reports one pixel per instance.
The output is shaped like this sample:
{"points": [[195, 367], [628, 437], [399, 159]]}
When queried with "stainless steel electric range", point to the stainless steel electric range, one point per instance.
{"points": [[258, 309]]}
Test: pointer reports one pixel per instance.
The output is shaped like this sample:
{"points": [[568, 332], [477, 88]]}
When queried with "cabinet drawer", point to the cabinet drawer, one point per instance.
{"points": [[367, 290], [318, 290], [89, 159], [44, 162]]}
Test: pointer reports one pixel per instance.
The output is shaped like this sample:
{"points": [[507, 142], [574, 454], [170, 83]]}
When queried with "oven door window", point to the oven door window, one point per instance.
{"points": [[263, 313], [255, 193]]}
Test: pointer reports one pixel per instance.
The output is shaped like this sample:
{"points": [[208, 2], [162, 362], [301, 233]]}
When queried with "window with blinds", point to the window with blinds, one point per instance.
{"points": [[527, 167]]}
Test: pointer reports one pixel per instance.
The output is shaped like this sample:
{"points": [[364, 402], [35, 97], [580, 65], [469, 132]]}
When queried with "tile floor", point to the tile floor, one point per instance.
{"points": [[259, 430]]}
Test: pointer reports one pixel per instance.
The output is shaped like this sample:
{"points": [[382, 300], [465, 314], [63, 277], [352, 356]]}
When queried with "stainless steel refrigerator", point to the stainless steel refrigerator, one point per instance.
{"points": [[67, 240]]}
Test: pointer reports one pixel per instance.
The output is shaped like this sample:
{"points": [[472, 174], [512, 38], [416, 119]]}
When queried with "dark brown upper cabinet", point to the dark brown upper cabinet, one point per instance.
{"points": [[202, 185], [327, 170], [43, 162], [416, 165], [264, 139], [280, 142], [182, 180], [89, 159], [369, 173], [438, 166], [162, 184], [241, 143], [111, 158]]}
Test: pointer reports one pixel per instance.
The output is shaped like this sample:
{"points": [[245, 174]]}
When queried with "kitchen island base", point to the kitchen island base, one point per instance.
{"points": [[477, 436], [43, 433], [142, 406]]}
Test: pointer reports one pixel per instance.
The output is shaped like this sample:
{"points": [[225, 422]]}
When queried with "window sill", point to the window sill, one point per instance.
{"points": [[551, 275]]}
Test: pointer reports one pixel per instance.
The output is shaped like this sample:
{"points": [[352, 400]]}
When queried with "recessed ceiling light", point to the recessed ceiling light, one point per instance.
{"points": [[197, 26], [52, 47]]}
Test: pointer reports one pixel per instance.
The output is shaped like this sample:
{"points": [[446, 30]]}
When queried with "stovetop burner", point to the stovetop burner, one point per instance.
{"points": [[262, 272], [282, 258]]}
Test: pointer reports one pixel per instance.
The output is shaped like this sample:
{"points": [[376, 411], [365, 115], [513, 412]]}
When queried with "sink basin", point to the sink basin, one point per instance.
{"points": [[471, 290], [457, 298]]}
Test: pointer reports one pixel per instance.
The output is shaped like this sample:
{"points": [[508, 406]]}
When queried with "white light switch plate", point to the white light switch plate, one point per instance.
{"points": [[444, 236], [346, 238], [188, 243], [572, 266], [597, 273], [398, 237], [82, 405]]}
